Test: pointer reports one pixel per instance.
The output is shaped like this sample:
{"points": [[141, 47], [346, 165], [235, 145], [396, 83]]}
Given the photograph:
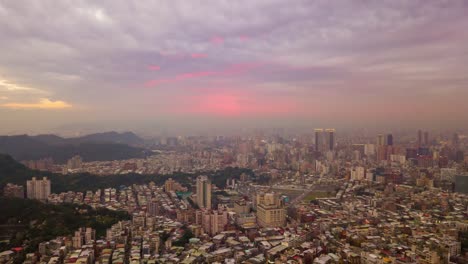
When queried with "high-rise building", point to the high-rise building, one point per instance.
{"points": [[380, 140], [318, 139], [38, 189], [369, 149], [212, 221], [426, 138], [389, 140], [74, 163], [419, 138], [330, 138], [46, 164], [270, 210], [153, 207], [169, 185], [203, 192], [13, 190], [83, 236]]}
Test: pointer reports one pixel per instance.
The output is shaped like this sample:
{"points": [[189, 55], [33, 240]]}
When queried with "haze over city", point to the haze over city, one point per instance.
{"points": [[87, 66]]}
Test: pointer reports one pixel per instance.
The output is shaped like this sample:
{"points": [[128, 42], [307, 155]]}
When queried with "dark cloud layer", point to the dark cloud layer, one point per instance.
{"points": [[314, 60]]}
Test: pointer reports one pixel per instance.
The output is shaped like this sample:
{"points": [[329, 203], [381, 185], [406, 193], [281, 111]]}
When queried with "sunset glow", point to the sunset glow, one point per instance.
{"points": [[303, 61]]}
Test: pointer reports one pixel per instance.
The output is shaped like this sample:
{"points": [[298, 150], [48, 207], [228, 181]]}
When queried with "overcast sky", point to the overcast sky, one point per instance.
{"points": [[134, 65]]}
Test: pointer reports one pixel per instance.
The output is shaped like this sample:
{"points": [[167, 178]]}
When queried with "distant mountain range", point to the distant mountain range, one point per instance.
{"points": [[93, 147], [127, 138]]}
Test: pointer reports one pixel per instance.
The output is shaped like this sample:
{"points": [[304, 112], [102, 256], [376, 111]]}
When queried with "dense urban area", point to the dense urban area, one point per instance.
{"points": [[263, 198]]}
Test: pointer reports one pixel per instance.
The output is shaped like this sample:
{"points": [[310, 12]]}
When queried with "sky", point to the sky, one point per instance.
{"points": [[70, 66]]}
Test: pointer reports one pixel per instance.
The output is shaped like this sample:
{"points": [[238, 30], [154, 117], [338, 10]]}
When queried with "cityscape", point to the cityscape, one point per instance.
{"points": [[318, 198], [298, 132]]}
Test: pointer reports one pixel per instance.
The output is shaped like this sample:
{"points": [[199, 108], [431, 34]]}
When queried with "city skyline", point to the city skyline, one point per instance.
{"points": [[89, 67]]}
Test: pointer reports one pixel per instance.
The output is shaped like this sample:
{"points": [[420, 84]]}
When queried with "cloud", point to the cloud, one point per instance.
{"points": [[3, 98], [154, 68], [233, 69], [338, 51], [198, 55], [13, 87], [43, 103], [243, 38], [217, 40]]}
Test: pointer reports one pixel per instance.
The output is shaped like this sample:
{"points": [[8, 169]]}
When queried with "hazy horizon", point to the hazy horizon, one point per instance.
{"points": [[202, 67]]}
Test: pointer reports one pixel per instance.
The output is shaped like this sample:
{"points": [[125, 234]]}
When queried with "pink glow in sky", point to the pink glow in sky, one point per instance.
{"points": [[233, 103], [217, 40], [154, 68], [230, 70], [179, 77], [328, 61], [244, 38], [198, 55]]}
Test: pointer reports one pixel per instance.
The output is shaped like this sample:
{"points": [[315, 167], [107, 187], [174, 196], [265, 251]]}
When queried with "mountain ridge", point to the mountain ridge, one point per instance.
{"points": [[94, 147]]}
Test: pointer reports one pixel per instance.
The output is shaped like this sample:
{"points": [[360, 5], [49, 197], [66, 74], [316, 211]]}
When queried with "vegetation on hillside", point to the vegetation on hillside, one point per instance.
{"points": [[36, 222], [14, 172], [25, 147]]}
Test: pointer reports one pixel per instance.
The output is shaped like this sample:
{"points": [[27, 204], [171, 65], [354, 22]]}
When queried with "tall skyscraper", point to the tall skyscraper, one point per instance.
{"points": [[419, 138], [389, 140], [38, 189], [203, 192], [380, 140], [426, 138], [318, 139], [331, 138]]}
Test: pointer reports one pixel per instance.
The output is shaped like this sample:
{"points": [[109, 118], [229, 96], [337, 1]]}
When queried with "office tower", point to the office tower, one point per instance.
{"points": [[270, 210], [380, 140], [389, 140], [13, 190], [419, 138], [426, 138], [38, 189], [203, 192], [318, 139], [330, 138]]}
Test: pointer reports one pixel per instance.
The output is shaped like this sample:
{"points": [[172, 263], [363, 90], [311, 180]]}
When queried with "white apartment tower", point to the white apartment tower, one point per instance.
{"points": [[203, 192], [38, 189]]}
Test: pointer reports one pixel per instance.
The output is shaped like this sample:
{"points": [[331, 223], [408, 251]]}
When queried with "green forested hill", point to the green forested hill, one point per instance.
{"points": [[13, 172], [35, 222], [90, 148]]}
